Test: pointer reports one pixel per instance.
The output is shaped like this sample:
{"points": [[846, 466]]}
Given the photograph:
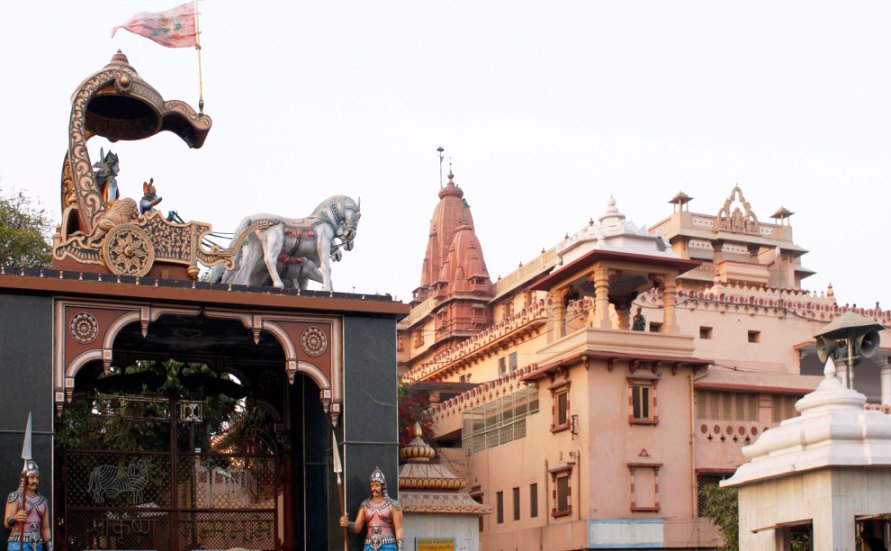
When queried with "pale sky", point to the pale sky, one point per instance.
{"points": [[544, 108]]}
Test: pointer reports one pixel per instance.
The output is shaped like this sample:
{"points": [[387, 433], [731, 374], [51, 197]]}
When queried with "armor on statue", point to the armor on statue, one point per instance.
{"points": [[27, 514], [380, 516]]}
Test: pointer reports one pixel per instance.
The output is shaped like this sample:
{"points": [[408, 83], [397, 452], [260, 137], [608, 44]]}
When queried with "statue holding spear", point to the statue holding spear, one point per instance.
{"points": [[27, 512]]}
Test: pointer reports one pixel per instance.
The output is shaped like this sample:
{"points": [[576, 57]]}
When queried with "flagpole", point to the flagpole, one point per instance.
{"points": [[198, 49]]}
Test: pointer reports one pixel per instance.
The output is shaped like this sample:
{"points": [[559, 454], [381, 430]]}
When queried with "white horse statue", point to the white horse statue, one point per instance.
{"points": [[298, 249]]}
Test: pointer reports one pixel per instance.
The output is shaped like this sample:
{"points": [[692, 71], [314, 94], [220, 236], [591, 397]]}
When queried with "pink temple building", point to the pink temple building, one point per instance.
{"points": [[591, 394]]}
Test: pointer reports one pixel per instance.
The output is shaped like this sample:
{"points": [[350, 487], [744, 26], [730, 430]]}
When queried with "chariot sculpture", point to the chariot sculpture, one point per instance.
{"points": [[103, 232]]}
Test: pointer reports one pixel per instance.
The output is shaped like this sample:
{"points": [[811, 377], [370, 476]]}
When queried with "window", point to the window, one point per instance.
{"points": [[516, 504], [561, 408], [754, 336], [476, 493], [727, 406], [512, 362], [499, 421], [655, 327], [642, 402], [705, 332], [562, 478], [705, 481], [784, 408], [644, 487], [502, 367], [533, 500], [499, 507]]}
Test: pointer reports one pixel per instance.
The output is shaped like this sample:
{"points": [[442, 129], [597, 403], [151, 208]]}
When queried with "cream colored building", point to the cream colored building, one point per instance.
{"points": [[597, 388]]}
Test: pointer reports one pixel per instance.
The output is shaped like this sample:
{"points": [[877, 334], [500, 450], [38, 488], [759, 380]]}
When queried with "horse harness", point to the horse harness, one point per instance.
{"points": [[299, 231], [307, 230]]}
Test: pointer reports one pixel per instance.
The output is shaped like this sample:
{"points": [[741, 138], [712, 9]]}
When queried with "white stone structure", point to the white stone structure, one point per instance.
{"points": [[830, 467]]}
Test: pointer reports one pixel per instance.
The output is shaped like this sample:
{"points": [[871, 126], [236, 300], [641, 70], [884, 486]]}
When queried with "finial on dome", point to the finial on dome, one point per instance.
{"points": [[829, 370], [417, 450], [611, 213]]}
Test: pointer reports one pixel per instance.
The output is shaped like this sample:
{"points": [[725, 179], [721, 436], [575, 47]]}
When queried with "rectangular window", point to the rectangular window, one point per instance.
{"points": [[655, 327], [642, 402], [726, 406], [499, 507], [754, 336], [644, 488], [502, 367], [533, 500], [705, 332], [516, 504], [512, 362], [561, 409], [562, 494]]}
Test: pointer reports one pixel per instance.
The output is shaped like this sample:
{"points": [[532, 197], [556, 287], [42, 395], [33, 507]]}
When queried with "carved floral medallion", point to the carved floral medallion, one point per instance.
{"points": [[84, 328], [314, 341]]}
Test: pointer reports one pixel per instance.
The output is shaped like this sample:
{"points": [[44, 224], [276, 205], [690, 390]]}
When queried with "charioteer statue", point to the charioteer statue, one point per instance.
{"points": [[380, 515], [27, 514]]}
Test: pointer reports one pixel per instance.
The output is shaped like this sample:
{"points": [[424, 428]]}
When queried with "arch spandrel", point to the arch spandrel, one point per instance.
{"points": [[86, 331], [312, 345]]}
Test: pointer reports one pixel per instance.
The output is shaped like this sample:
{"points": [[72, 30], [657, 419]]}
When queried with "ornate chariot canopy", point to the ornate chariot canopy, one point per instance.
{"points": [[99, 232]]}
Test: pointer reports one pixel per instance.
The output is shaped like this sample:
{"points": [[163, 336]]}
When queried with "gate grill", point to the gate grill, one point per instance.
{"points": [[135, 500]]}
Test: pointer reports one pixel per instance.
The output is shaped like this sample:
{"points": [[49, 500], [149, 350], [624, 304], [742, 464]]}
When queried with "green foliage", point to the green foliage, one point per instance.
{"points": [[25, 230], [134, 417], [721, 506]]}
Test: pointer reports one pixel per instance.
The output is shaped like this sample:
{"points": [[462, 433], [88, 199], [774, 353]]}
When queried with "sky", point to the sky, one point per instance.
{"points": [[545, 110]]}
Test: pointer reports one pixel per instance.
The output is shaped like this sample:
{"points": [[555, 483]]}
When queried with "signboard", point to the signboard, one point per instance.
{"points": [[625, 533], [434, 544]]}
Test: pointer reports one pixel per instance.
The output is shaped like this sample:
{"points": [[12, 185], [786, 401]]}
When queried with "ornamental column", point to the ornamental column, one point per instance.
{"points": [[601, 298], [670, 326], [559, 315]]}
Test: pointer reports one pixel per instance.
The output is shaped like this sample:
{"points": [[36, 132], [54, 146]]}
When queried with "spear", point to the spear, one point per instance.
{"points": [[338, 468], [26, 456]]}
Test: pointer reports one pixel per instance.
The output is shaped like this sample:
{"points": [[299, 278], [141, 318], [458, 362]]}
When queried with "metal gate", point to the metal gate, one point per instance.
{"points": [[173, 500]]}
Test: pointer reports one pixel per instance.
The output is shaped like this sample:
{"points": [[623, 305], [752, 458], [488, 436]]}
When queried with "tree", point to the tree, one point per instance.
{"points": [[25, 230], [722, 508]]}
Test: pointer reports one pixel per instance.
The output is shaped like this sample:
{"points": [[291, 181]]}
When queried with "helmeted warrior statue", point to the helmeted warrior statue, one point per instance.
{"points": [[27, 512], [380, 515]]}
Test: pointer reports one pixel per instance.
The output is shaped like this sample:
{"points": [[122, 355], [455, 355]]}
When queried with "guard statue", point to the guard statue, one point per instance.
{"points": [[381, 516], [27, 514]]}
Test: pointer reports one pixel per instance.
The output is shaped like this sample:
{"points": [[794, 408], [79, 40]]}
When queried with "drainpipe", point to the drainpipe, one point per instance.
{"points": [[693, 493]]}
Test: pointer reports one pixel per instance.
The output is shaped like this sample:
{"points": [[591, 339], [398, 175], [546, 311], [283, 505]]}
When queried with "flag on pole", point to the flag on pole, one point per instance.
{"points": [[174, 28]]}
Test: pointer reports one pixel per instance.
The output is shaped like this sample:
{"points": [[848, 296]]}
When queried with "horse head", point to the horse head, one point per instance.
{"points": [[342, 214], [351, 215]]}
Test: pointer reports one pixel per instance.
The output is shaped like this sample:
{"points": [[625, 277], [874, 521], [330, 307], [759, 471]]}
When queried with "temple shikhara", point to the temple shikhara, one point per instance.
{"points": [[594, 393]]}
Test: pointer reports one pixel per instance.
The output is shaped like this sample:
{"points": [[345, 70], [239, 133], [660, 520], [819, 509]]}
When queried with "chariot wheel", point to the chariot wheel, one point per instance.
{"points": [[128, 251]]}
